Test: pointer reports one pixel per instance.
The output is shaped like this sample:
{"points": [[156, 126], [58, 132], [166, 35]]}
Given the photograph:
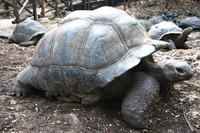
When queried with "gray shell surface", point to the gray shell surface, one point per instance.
{"points": [[146, 24], [191, 21], [163, 29], [87, 50], [26, 30]]}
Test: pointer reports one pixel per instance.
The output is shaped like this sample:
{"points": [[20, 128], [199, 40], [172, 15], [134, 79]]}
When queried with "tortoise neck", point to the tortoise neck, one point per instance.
{"points": [[180, 40], [156, 70]]}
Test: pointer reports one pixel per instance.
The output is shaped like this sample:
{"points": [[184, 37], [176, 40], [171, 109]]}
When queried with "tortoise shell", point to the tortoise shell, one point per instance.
{"points": [[195, 21], [164, 30], [26, 30], [88, 50]]}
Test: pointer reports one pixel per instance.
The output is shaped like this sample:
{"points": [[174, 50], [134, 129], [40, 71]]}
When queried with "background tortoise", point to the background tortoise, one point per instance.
{"points": [[146, 24], [170, 32], [101, 54], [193, 22], [27, 33]]}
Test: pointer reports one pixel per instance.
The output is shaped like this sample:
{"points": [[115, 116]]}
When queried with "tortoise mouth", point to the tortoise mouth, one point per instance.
{"points": [[183, 73], [185, 76]]}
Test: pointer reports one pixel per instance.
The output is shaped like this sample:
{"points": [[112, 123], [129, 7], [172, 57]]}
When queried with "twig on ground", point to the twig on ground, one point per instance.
{"points": [[188, 123], [189, 83]]}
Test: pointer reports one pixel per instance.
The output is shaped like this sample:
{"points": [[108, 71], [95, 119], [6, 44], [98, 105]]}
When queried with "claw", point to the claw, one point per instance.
{"points": [[21, 89]]}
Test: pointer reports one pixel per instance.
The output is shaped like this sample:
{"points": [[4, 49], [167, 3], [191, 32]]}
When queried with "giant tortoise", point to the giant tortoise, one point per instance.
{"points": [[170, 32], [27, 33], [101, 54], [193, 22]]}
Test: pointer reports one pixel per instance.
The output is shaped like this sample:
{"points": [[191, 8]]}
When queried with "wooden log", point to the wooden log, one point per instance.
{"points": [[34, 9], [2, 12], [16, 13], [129, 3], [166, 6], [24, 7], [10, 4], [64, 1], [71, 5], [106, 2], [53, 9], [88, 4], [68, 5], [56, 8], [48, 3], [85, 5], [7, 8], [112, 2], [124, 1], [42, 7]]}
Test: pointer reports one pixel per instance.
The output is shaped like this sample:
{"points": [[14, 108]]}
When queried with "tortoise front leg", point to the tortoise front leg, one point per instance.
{"points": [[172, 46], [137, 102], [27, 44]]}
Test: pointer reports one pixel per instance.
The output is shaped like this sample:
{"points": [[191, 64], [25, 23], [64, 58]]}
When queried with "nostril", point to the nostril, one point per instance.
{"points": [[180, 70]]}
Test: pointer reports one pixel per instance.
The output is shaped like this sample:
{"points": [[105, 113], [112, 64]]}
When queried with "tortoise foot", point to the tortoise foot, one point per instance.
{"points": [[139, 100], [136, 117], [21, 89], [69, 98], [90, 100]]}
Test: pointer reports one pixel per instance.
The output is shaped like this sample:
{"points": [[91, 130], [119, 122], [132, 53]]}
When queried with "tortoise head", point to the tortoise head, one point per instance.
{"points": [[176, 70]]}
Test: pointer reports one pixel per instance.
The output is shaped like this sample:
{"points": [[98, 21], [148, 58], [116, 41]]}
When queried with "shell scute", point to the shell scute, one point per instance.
{"points": [[57, 80], [103, 47], [45, 82], [93, 48], [72, 77], [88, 80], [163, 29]]}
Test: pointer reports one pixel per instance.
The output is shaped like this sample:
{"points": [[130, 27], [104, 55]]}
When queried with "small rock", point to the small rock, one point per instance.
{"points": [[70, 120], [13, 102]]}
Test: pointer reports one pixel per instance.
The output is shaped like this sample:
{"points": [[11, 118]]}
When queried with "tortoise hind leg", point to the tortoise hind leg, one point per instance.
{"points": [[137, 102], [21, 89], [22, 86], [172, 46]]}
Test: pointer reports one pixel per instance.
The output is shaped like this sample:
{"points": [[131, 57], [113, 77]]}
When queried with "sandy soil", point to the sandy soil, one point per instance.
{"points": [[177, 111]]}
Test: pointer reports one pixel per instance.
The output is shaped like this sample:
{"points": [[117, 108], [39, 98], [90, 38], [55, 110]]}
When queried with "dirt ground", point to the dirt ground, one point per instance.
{"points": [[178, 111]]}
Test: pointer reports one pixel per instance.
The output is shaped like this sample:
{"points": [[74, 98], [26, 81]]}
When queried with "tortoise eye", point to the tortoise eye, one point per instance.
{"points": [[180, 70]]}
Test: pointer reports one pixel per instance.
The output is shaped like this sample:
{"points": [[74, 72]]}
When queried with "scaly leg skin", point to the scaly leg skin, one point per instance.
{"points": [[172, 46], [27, 44], [21, 89], [138, 101]]}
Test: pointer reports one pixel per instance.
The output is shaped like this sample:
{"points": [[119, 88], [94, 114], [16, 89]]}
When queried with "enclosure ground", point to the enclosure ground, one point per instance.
{"points": [[177, 111]]}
